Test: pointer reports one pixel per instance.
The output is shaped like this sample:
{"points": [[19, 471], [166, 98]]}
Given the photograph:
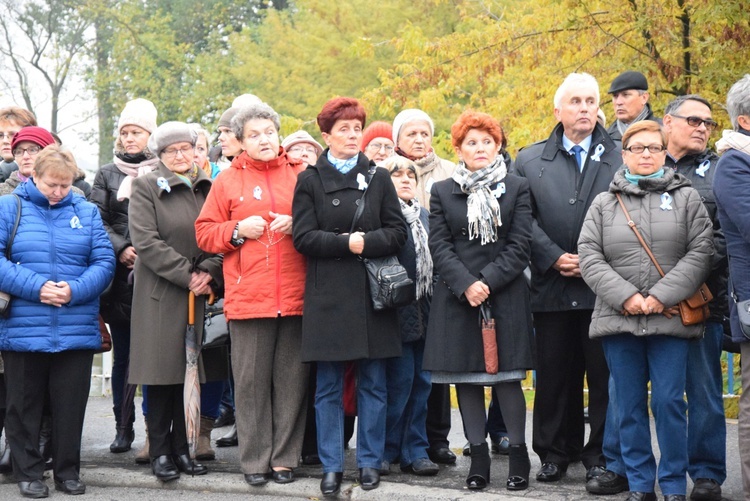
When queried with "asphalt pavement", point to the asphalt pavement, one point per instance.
{"points": [[116, 477]]}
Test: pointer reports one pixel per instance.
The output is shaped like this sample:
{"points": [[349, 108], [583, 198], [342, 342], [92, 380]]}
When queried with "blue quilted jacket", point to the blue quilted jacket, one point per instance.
{"points": [[63, 242]]}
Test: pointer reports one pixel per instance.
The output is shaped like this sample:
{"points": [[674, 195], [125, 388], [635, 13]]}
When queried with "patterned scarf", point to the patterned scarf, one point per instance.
{"points": [[622, 126], [731, 139], [132, 166], [482, 207], [343, 166], [424, 259], [189, 177]]}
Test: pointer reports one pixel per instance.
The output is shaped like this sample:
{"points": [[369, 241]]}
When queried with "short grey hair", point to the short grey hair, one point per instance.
{"points": [[395, 163], [738, 100], [252, 112], [576, 80], [675, 105]]}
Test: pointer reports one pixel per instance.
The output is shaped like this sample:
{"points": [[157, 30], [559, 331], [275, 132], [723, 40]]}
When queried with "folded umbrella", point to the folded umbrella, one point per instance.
{"points": [[192, 388], [489, 339]]}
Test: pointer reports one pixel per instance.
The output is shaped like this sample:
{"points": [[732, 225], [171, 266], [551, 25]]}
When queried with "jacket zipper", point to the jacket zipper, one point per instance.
{"points": [[278, 253], [54, 277]]}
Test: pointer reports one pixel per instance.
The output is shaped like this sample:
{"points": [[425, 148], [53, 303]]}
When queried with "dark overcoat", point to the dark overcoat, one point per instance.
{"points": [[162, 228], [454, 337], [339, 322], [560, 198]]}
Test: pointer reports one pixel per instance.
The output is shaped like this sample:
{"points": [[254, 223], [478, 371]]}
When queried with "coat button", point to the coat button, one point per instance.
{"points": [[572, 201], [463, 231], [336, 202], [336, 231], [574, 303]]}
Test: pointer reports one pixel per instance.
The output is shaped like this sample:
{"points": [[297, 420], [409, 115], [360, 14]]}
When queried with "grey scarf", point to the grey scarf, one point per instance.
{"points": [[482, 207], [622, 126], [424, 259]]}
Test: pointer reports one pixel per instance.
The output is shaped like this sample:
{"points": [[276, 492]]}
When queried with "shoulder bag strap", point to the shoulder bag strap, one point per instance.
{"points": [[15, 227], [638, 235], [361, 206]]}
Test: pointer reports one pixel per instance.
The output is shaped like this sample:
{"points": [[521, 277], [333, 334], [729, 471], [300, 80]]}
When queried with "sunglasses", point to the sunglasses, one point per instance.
{"points": [[697, 121]]}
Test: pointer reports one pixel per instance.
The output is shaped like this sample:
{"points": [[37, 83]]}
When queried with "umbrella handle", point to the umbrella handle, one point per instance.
{"points": [[211, 298], [191, 308]]}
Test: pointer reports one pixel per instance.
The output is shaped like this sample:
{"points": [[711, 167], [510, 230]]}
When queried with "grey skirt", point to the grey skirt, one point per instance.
{"points": [[481, 378]]}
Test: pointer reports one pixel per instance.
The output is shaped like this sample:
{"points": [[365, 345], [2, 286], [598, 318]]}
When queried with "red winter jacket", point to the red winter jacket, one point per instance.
{"points": [[259, 282]]}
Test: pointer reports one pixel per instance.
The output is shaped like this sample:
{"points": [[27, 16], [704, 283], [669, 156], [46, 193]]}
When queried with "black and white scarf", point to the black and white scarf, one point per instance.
{"points": [[482, 207], [424, 259]]}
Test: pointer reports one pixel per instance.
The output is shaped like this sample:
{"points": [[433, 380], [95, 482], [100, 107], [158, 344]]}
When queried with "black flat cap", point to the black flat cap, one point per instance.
{"points": [[628, 80]]}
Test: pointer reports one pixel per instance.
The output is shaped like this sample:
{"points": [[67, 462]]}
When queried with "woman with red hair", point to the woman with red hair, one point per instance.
{"points": [[480, 238], [339, 323]]}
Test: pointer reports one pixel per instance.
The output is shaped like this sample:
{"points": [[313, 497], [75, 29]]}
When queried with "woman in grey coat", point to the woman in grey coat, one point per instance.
{"points": [[635, 314]]}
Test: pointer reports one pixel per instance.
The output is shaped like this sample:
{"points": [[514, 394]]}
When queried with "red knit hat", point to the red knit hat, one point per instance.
{"points": [[375, 130], [36, 135]]}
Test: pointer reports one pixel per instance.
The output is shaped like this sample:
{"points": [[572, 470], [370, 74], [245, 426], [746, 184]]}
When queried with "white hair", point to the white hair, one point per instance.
{"points": [[738, 100], [576, 80]]}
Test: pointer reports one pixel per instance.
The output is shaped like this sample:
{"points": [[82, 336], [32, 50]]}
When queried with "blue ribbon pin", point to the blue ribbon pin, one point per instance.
{"points": [[163, 184], [75, 223], [666, 201], [597, 156], [703, 167], [361, 182], [499, 190], [257, 193]]}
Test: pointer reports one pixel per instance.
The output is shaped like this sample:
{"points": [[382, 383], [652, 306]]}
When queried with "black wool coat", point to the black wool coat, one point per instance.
{"points": [[338, 321], [560, 199], [454, 337]]}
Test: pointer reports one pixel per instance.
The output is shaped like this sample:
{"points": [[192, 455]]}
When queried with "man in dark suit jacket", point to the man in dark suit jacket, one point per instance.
{"points": [[565, 173]]}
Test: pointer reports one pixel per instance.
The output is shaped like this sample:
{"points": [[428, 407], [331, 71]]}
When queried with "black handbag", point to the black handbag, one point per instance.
{"points": [[390, 285], [215, 326], [4, 296]]}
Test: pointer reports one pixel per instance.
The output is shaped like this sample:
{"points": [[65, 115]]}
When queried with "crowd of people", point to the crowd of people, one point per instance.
{"points": [[571, 260]]}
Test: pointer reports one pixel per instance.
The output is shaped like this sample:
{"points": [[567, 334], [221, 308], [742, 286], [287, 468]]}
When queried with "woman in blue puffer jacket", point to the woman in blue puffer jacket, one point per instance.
{"points": [[61, 260]]}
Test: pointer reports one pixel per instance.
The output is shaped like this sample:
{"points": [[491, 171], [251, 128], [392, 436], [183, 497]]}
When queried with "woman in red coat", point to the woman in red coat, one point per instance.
{"points": [[247, 217]]}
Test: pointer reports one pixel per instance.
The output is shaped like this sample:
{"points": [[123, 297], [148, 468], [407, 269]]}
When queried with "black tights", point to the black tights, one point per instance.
{"points": [[512, 405]]}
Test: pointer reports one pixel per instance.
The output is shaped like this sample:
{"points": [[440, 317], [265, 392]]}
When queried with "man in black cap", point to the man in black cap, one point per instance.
{"points": [[630, 99]]}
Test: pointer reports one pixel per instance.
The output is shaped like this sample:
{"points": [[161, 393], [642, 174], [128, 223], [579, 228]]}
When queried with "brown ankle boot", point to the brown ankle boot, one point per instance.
{"points": [[204, 452], [143, 456]]}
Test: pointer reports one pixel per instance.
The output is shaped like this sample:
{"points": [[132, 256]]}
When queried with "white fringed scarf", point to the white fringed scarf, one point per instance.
{"points": [[482, 207], [424, 259]]}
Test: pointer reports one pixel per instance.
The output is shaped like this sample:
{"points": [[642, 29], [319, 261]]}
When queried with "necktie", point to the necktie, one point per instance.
{"points": [[578, 152]]}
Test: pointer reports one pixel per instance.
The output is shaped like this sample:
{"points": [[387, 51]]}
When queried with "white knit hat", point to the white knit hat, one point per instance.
{"points": [[140, 112], [407, 116], [301, 136], [171, 133]]}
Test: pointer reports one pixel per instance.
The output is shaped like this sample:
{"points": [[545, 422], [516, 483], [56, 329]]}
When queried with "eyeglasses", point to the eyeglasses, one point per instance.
{"points": [[637, 149], [378, 146], [697, 121], [172, 152], [303, 149], [7, 135], [31, 150]]}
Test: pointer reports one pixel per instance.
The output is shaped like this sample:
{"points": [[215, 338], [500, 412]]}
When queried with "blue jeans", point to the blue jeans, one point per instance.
{"points": [[371, 410], [633, 362], [406, 415], [611, 442], [211, 393]]}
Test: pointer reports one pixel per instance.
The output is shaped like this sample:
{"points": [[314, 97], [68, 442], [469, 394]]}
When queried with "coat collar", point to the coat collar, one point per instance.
{"points": [[554, 143], [333, 180], [243, 161], [203, 182]]}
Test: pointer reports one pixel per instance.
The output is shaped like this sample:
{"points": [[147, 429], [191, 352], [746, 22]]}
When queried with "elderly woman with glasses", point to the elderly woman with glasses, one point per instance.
{"points": [[377, 142], [164, 206], [635, 315]]}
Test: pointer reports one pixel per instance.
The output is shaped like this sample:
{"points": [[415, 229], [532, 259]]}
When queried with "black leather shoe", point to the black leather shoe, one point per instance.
{"points": [[608, 482], [283, 476], [422, 467], [123, 440], [34, 489], [594, 472], [189, 466], [225, 418], [706, 489], [70, 486], [441, 455], [641, 496], [501, 447], [369, 478], [466, 450], [385, 468], [256, 479], [311, 459], [5, 465], [551, 472], [330, 485], [674, 497], [230, 439], [164, 468]]}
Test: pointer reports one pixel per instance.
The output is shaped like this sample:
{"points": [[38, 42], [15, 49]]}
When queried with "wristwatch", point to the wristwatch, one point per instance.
{"points": [[236, 240]]}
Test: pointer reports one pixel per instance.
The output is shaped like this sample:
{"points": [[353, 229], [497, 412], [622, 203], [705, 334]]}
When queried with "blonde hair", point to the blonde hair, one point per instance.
{"points": [[55, 161]]}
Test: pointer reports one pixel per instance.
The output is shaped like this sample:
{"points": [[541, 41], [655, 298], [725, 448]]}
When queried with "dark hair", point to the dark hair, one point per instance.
{"points": [[469, 120], [643, 126], [675, 105], [21, 116], [340, 108]]}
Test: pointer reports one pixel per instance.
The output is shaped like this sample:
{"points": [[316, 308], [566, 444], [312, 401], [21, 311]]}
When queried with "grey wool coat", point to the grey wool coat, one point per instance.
{"points": [[454, 338], [162, 229], [338, 322], [615, 266]]}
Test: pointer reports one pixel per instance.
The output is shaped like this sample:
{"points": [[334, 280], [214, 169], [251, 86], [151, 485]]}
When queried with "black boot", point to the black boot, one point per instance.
{"points": [[123, 440], [479, 473], [519, 467]]}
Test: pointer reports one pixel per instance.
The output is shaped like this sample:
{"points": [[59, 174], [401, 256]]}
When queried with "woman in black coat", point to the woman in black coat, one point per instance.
{"points": [[339, 323], [480, 237]]}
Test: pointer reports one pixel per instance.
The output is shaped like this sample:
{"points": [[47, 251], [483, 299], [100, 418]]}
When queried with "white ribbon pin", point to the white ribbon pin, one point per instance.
{"points": [[163, 184], [361, 182], [597, 156], [257, 193], [666, 201], [703, 167], [75, 223], [499, 190]]}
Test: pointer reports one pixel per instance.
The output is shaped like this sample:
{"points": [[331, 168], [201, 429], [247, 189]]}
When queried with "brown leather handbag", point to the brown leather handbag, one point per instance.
{"points": [[693, 310]]}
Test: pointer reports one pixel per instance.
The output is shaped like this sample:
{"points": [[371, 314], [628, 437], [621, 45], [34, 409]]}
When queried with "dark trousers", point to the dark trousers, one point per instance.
{"points": [[121, 353], [439, 416], [65, 378], [564, 354], [166, 420]]}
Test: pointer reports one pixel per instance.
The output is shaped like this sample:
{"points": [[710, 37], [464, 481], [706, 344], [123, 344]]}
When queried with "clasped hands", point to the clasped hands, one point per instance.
{"points": [[199, 283], [252, 227], [568, 265], [637, 304], [55, 293]]}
